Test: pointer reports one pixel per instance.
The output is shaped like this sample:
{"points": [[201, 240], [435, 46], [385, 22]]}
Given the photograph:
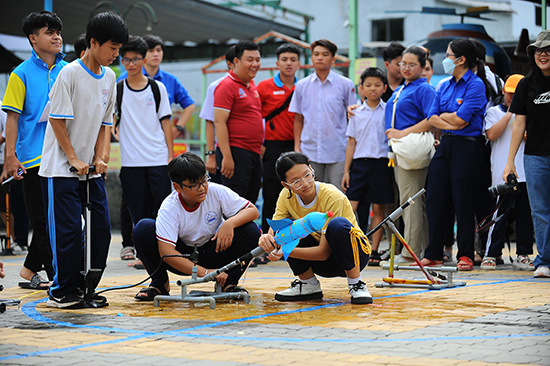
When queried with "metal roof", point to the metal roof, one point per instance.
{"points": [[179, 21]]}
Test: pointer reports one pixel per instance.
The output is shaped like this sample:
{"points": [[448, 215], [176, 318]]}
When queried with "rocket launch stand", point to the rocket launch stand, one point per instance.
{"points": [[434, 280], [206, 296]]}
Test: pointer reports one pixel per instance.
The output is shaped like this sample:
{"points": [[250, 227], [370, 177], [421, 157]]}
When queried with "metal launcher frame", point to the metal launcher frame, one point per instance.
{"points": [[434, 280]]}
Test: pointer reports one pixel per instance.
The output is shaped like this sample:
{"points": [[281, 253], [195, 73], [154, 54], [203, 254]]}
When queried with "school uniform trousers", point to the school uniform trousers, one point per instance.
{"points": [[454, 170], [65, 199], [39, 254], [271, 184], [247, 176], [347, 251], [245, 239]]}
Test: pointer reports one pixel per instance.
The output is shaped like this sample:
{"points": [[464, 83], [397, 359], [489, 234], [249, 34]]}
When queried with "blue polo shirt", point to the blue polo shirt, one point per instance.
{"points": [[176, 92], [27, 94], [413, 104], [465, 97]]}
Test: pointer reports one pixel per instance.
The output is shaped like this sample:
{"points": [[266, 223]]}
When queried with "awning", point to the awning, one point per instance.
{"points": [[178, 21]]}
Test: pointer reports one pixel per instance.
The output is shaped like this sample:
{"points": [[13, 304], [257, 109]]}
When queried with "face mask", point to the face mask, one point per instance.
{"points": [[448, 65]]}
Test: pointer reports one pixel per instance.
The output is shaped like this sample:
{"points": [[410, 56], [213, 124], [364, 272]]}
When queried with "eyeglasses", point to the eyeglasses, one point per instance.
{"points": [[540, 51], [299, 183], [135, 60], [197, 186], [408, 66]]}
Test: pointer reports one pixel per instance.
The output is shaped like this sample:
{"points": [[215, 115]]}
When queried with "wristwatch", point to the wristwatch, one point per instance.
{"points": [[210, 152], [180, 128]]}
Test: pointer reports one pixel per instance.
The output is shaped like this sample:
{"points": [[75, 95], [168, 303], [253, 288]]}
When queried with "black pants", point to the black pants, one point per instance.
{"points": [[271, 185], [247, 176], [244, 240], [39, 255], [455, 171], [513, 208], [342, 247]]}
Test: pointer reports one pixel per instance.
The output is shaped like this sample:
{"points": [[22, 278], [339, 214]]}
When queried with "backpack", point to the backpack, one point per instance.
{"points": [[120, 90]]}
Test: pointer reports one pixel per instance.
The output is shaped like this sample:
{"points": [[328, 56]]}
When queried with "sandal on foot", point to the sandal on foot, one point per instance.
{"points": [[234, 288], [127, 254], [36, 283], [150, 293], [465, 264], [447, 257], [426, 262], [488, 263], [374, 259]]}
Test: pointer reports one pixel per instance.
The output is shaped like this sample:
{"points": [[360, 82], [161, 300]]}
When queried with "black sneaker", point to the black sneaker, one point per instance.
{"points": [[69, 301]]}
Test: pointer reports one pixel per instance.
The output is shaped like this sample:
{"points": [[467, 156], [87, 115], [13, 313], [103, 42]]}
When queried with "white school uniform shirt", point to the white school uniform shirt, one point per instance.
{"points": [[324, 107], [207, 109], [501, 146], [142, 140], [86, 102], [197, 225], [368, 128]]}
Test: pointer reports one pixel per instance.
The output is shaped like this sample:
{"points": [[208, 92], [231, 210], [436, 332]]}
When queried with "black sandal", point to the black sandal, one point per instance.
{"points": [[234, 288], [374, 259], [150, 293], [36, 283]]}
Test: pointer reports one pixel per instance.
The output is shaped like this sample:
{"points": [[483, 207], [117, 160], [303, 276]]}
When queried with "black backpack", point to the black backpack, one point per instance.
{"points": [[119, 92]]}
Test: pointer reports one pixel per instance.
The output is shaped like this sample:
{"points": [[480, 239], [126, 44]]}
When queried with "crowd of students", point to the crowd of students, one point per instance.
{"points": [[294, 135]]}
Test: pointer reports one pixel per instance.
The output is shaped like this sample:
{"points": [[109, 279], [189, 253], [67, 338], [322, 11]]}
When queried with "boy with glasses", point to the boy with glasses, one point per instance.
{"points": [[198, 214], [145, 135]]}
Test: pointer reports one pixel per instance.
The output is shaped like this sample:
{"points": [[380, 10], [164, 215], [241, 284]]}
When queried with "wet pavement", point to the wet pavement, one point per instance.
{"points": [[500, 317]]}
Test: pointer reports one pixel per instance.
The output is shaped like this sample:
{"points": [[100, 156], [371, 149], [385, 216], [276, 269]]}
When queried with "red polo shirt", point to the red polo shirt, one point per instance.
{"points": [[273, 94], [244, 125]]}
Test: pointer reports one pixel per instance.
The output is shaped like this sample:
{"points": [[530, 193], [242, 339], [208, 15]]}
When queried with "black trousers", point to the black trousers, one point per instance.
{"points": [[271, 185], [454, 171], [39, 255], [247, 176], [244, 240]]}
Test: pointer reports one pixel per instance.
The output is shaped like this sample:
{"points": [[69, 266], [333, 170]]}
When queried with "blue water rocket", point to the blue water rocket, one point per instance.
{"points": [[288, 233]]}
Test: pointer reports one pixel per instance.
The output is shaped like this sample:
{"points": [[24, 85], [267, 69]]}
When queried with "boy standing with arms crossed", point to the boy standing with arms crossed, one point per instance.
{"points": [[82, 105], [366, 173], [25, 99]]}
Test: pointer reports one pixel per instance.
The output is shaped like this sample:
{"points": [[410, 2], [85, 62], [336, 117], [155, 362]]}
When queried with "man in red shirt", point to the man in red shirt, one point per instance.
{"points": [[275, 95], [238, 123]]}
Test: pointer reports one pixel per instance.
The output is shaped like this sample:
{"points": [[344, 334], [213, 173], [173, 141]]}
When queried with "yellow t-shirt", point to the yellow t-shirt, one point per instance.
{"points": [[328, 198]]}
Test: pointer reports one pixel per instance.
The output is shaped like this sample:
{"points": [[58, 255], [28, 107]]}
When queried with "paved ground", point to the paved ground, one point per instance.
{"points": [[500, 317]]}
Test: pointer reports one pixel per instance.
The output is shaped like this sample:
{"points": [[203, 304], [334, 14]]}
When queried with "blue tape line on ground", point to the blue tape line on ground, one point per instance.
{"points": [[183, 332]]}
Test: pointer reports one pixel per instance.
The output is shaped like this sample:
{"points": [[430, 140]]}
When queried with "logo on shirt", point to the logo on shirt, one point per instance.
{"points": [[278, 92], [210, 218], [544, 98], [105, 95], [459, 101], [242, 93], [150, 100]]}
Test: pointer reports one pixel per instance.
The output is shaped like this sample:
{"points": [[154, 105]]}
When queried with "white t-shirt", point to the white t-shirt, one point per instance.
{"points": [[197, 225], [368, 128], [501, 146], [142, 140], [86, 102], [207, 109]]}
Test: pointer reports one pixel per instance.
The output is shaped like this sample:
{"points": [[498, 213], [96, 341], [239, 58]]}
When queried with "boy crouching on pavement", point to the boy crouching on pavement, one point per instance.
{"points": [[199, 214]]}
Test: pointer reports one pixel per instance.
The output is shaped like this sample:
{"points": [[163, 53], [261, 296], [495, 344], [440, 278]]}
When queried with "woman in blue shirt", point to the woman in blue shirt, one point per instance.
{"points": [[457, 111], [411, 102]]}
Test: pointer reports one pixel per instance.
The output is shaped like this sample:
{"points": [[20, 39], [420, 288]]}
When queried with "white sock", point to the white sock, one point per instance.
{"points": [[353, 281], [311, 281]]}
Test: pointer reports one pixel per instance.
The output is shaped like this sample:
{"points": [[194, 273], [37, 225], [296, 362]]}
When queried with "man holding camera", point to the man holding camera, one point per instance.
{"points": [[512, 196]]}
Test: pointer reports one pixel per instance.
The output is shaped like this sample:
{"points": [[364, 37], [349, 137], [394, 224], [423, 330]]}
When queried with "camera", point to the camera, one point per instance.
{"points": [[505, 188]]}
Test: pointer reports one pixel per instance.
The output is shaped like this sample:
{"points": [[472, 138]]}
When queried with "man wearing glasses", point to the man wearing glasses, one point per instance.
{"points": [[145, 134]]}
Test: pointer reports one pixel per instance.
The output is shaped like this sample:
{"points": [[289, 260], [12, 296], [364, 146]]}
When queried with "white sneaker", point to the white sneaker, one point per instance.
{"points": [[359, 293], [299, 291], [523, 263], [542, 272]]}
